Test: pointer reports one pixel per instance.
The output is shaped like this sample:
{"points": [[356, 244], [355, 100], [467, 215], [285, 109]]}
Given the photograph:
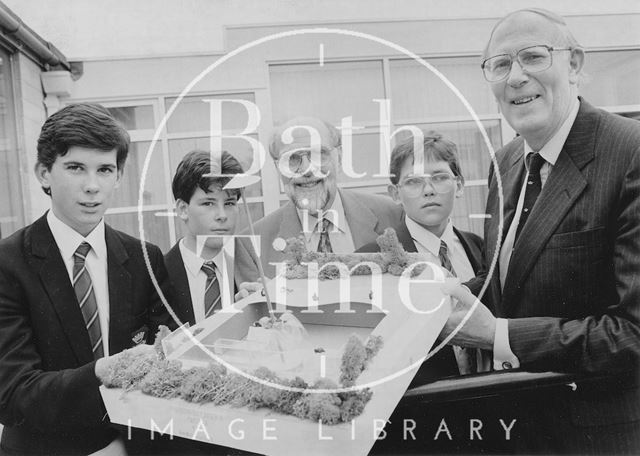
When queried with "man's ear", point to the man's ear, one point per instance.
{"points": [[576, 63], [182, 209], [42, 174], [393, 192]]}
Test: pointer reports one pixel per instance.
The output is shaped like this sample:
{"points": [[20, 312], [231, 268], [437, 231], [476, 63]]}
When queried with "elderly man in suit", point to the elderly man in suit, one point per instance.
{"points": [[307, 152], [73, 294], [565, 289]]}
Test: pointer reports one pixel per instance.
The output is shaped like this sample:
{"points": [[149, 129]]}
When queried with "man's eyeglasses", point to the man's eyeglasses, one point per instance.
{"points": [[413, 186], [295, 158], [532, 59]]}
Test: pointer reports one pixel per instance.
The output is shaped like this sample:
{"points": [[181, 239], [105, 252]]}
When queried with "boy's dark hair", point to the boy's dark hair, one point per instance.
{"points": [[85, 125], [191, 171], [436, 148]]}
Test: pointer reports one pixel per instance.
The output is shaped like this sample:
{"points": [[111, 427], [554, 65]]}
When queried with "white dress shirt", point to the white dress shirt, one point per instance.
{"points": [[339, 233], [198, 278], [428, 243], [503, 357], [68, 241]]}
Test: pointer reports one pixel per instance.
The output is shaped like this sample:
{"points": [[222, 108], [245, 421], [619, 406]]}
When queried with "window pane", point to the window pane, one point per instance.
{"points": [[366, 159], [134, 117], [417, 93], [612, 78], [472, 150], [256, 210], [473, 202], [192, 114], [154, 185], [329, 92], [156, 228], [239, 148], [11, 210]]}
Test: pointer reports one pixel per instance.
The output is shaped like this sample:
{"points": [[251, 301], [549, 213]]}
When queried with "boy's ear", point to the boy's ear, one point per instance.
{"points": [[393, 192], [182, 209], [459, 188], [42, 174], [118, 177]]}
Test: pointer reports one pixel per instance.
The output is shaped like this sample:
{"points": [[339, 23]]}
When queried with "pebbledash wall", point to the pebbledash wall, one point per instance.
{"points": [[331, 76]]}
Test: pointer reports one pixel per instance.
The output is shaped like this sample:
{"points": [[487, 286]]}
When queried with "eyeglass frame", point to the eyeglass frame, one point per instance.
{"points": [[303, 152], [428, 178], [550, 49]]}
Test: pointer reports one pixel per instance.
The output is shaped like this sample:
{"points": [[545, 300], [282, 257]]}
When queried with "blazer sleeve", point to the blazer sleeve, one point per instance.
{"points": [[158, 312], [609, 339], [47, 400]]}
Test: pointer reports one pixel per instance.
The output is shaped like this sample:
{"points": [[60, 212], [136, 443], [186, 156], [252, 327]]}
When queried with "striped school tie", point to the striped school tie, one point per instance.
{"points": [[465, 357], [211, 289], [87, 299]]}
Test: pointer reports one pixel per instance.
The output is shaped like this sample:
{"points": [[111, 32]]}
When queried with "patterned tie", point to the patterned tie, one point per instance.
{"points": [[324, 244], [465, 357], [534, 186], [443, 255], [87, 299], [211, 289]]}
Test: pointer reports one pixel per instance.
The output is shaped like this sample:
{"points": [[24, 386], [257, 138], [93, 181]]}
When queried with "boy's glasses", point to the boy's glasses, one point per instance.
{"points": [[414, 186]]}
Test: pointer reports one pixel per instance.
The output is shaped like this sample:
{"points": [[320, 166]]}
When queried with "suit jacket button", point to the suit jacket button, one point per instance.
{"points": [[507, 365]]}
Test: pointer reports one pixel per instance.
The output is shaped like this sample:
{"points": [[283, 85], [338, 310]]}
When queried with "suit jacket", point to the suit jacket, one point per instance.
{"points": [[49, 397], [367, 216], [572, 290], [443, 363], [245, 270]]}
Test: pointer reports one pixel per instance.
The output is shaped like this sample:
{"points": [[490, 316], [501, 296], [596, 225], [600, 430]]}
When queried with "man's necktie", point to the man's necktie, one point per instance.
{"points": [[87, 299], [324, 244], [211, 289], [465, 357], [534, 186]]}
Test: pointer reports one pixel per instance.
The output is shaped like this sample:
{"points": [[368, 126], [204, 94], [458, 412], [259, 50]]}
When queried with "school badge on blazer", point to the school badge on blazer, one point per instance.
{"points": [[139, 336]]}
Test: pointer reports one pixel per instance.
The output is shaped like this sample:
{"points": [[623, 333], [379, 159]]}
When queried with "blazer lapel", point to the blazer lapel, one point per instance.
{"points": [[511, 174], [55, 279], [473, 254], [362, 221], [180, 283], [290, 225], [405, 238], [564, 185], [120, 292]]}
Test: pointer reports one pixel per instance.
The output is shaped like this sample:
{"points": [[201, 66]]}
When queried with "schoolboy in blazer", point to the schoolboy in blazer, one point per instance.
{"points": [[207, 209], [51, 349]]}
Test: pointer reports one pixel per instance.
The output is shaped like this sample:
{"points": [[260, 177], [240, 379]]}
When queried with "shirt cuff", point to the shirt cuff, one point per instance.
{"points": [[503, 357]]}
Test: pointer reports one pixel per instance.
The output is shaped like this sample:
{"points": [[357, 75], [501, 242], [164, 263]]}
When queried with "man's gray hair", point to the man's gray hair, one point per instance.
{"points": [[556, 19], [275, 140]]}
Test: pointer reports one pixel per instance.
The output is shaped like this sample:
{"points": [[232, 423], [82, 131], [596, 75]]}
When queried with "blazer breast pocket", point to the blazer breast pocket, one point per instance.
{"points": [[594, 237]]}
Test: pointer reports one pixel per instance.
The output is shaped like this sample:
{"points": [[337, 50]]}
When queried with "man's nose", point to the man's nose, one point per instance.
{"points": [[517, 75], [309, 167]]}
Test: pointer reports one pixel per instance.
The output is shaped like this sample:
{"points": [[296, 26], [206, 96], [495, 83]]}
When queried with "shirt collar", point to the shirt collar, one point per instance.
{"points": [[427, 239], [551, 150], [193, 263], [69, 240], [335, 214]]}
